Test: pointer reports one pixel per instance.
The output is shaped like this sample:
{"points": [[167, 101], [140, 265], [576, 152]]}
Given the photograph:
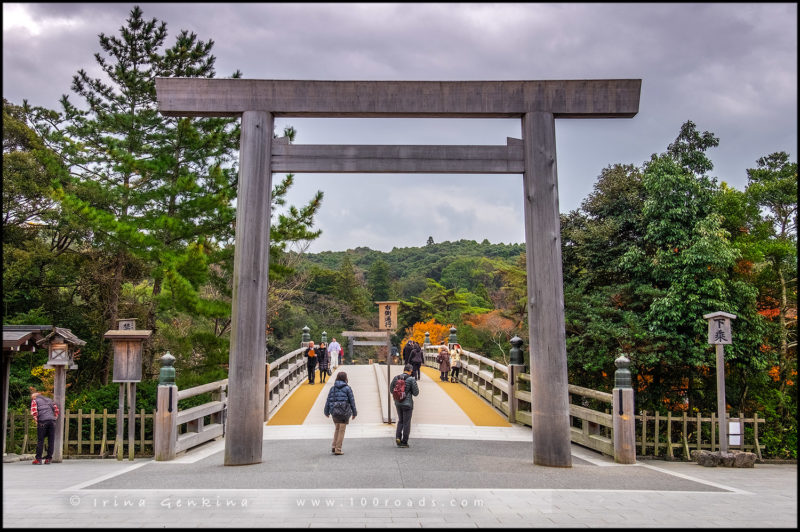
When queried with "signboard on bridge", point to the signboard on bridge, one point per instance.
{"points": [[387, 315]]}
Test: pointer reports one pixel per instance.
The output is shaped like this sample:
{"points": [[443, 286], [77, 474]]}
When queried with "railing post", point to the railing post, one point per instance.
{"points": [[427, 340], [306, 338], [624, 420], [452, 340], [515, 367], [266, 394], [165, 428]]}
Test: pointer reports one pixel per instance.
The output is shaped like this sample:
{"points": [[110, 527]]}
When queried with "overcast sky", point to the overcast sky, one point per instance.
{"points": [[730, 68]]}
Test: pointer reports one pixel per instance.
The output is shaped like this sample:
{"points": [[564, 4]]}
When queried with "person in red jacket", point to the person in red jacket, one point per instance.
{"points": [[45, 413]]}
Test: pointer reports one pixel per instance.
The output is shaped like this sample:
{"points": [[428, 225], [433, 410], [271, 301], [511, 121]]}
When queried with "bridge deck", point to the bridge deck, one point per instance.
{"points": [[438, 403]]}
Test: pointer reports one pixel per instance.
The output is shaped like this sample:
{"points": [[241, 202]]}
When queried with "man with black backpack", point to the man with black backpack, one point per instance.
{"points": [[404, 388]]}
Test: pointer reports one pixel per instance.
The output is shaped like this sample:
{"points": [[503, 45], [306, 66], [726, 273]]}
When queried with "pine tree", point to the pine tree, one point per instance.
{"points": [[157, 192]]}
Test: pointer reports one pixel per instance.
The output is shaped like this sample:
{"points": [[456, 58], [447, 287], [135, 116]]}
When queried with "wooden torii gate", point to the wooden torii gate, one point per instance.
{"points": [[537, 103]]}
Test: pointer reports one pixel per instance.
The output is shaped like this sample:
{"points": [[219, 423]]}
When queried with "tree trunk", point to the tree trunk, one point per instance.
{"points": [[150, 356], [113, 313]]}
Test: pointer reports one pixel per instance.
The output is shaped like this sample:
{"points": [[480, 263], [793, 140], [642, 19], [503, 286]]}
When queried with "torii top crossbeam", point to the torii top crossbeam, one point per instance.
{"points": [[604, 98]]}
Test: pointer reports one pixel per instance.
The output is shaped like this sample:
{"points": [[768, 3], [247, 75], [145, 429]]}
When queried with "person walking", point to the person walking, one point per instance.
{"points": [[455, 362], [341, 406], [416, 359], [404, 407], [311, 355], [334, 350], [323, 362], [407, 350], [443, 358], [45, 413]]}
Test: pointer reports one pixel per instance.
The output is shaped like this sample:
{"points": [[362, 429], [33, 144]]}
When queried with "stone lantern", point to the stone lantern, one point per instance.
{"points": [[127, 343]]}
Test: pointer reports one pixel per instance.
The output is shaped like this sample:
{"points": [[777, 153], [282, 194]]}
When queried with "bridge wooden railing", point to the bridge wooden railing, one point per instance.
{"points": [[591, 413], [283, 376], [191, 427], [509, 391], [179, 430]]}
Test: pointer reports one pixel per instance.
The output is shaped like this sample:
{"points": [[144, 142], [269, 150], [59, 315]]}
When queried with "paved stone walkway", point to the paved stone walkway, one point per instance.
{"points": [[453, 475]]}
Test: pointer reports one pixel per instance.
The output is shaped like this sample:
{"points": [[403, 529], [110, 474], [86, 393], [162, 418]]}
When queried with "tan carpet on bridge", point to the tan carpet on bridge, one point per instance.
{"points": [[479, 411], [297, 407]]}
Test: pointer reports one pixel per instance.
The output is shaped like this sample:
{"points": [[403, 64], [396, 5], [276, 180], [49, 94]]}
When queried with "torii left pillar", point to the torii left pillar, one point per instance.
{"points": [[247, 369]]}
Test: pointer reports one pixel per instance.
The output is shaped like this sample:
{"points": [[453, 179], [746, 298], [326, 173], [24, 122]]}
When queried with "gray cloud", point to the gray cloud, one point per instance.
{"points": [[730, 68]]}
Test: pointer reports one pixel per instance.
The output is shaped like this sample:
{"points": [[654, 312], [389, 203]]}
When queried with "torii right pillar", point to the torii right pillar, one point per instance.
{"points": [[548, 349]]}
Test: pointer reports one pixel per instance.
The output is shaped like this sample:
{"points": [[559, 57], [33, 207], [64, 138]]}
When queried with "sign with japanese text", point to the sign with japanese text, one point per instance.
{"points": [[387, 315], [719, 328]]}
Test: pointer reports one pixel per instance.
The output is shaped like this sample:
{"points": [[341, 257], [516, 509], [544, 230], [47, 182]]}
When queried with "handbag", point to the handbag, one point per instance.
{"points": [[329, 372], [341, 410]]}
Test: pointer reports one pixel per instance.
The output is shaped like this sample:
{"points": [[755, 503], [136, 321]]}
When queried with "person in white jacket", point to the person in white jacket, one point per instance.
{"points": [[335, 352]]}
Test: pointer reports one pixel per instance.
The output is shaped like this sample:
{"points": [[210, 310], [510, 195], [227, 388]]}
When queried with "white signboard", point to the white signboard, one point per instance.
{"points": [[734, 433]]}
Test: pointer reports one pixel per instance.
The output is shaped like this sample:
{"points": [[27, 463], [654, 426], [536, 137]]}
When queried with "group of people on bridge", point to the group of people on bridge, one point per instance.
{"points": [[324, 357], [340, 404]]}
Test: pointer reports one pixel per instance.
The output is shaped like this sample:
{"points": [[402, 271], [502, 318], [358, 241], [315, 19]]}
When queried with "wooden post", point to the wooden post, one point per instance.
{"points": [[246, 373], [10, 434], [389, 374], [66, 431], [655, 435], [699, 431], [644, 433], [104, 442], [120, 422], [623, 417], [80, 431], [548, 350], [266, 393], [723, 425], [141, 431], [91, 431], [719, 334], [165, 428], [59, 393], [669, 435], [6, 377], [513, 403], [741, 431], [131, 419], [25, 431]]}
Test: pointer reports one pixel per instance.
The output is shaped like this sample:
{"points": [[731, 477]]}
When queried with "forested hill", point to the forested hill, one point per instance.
{"points": [[424, 261]]}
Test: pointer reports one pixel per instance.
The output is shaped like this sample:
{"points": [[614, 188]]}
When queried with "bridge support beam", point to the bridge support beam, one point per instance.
{"points": [[246, 373], [548, 350]]}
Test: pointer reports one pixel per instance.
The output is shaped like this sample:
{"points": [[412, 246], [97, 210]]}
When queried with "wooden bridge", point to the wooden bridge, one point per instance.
{"points": [[487, 393]]}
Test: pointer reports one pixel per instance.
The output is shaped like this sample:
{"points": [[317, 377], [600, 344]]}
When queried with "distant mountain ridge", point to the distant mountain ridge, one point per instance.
{"points": [[425, 261]]}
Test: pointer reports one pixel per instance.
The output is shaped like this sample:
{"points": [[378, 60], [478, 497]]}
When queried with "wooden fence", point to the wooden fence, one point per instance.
{"points": [[85, 433], [660, 435]]}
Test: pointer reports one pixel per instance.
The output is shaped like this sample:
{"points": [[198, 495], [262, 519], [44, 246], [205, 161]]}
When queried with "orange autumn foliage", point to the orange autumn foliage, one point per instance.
{"points": [[493, 322], [438, 333]]}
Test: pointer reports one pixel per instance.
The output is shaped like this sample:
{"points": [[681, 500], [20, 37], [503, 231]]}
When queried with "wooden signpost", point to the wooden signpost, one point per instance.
{"points": [[127, 344], [719, 334]]}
